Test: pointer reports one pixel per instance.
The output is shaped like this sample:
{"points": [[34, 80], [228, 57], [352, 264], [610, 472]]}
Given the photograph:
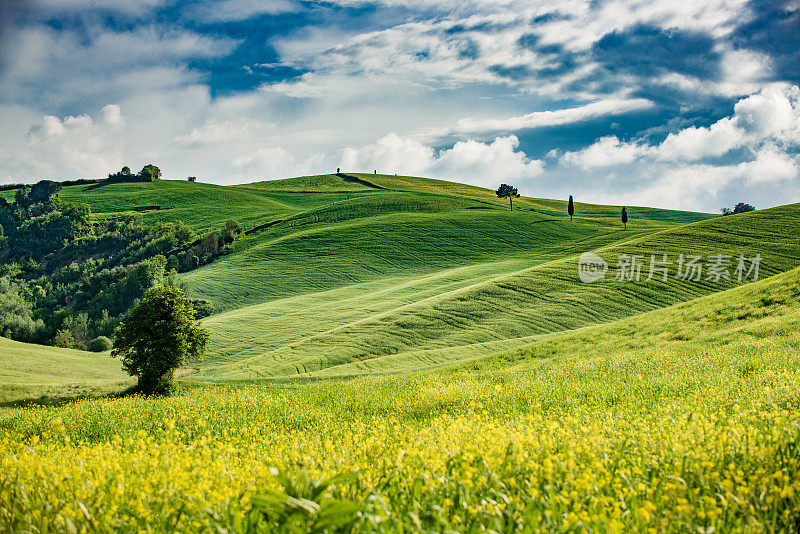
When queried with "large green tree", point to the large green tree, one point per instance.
{"points": [[157, 336], [509, 192], [150, 173]]}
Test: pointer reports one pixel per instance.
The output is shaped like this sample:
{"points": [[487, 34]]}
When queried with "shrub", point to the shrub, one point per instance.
{"points": [[100, 344], [64, 339]]}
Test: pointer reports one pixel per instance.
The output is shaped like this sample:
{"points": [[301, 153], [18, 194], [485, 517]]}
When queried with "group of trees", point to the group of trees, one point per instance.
{"points": [[66, 280], [510, 192], [741, 207], [149, 173]]}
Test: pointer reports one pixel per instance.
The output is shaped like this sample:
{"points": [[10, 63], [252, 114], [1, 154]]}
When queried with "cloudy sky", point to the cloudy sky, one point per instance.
{"points": [[680, 104]]}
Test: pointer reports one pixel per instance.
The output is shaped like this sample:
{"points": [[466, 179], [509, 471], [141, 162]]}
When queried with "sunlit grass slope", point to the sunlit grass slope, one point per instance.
{"points": [[401, 323], [373, 182], [32, 371], [361, 240], [202, 206], [684, 419]]}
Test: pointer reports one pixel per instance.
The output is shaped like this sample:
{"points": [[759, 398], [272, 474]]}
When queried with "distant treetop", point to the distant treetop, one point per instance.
{"points": [[741, 207], [149, 173]]}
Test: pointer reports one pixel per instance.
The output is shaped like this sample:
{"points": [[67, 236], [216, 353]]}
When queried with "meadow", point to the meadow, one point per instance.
{"points": [[691, 428], [398, 354], [30, 372]]}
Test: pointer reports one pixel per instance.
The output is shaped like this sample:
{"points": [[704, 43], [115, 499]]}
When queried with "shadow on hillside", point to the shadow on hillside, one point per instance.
{"points": [[98, 185], [356, 180], [104, 183]]}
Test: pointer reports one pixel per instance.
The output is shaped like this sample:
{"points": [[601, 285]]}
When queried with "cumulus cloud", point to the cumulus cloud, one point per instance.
{"points": [[769, 113], [71, 147], [470, 161], [771, 165], [483, 164], [770, 117], [392, 154], [605, 152], [694, 143]]}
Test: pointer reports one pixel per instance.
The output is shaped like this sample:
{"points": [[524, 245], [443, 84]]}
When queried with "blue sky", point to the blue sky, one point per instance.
{"points": [[690, 105]]}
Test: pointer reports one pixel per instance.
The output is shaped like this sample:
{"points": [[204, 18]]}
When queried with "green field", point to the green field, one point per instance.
{"points": [[438, 355], [35, 372]]}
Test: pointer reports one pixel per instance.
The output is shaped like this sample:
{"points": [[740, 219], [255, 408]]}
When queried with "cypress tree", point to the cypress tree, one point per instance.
{"points": [[625, 217], [570, 208]]}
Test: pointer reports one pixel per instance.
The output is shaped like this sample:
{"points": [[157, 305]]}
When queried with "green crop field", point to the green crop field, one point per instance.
{"points": [[400, 354]]}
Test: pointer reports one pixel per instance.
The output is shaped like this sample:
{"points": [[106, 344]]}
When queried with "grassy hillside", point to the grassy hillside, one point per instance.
{"points": [[360, 273], [404, 322], [680, 419], [465, 353], [314, 254], [202, 206], [30, 372], [392, 183]]}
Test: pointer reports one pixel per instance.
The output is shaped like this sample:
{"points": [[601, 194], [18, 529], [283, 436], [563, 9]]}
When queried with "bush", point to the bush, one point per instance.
{"points": [[100, 344], [64, 339]]}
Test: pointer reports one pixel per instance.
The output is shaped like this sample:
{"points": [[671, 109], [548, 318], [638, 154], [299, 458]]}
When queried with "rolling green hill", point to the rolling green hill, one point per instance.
{"points": [[351, 274], [404, 323]]}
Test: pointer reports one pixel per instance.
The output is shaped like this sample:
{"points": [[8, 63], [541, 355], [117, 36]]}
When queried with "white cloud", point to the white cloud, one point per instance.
{"points": [[67, 148], [478, 42], [236, 10], [56, 67], [136, 7], [768, 113], [391, 154], [554, 118], [694, 143], [471, 161], [771, 116], [484, 164], [605, 152], [771, 165], [264, 162]]}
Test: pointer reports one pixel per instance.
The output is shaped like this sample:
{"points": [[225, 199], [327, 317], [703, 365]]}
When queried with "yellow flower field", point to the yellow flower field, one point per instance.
{"points": [[627, 441]]}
